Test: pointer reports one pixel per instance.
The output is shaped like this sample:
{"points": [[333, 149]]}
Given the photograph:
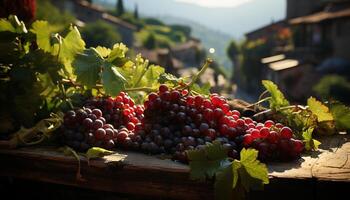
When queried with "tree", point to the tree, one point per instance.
{"points": [[232, 51], [150, 42], [136, 12], [100, 33], [120, 7], [47, 11]]}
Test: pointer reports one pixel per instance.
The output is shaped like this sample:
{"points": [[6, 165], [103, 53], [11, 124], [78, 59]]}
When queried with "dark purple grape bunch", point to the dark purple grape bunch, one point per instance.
{"points": [[84, 128]]}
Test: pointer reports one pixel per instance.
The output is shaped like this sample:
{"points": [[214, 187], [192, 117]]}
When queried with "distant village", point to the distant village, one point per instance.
{"points": [[182, 59], [312, 40]]}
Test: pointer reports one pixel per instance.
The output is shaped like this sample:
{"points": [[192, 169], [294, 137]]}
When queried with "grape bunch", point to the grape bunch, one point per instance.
{"points": [[175, 121], [120, 111], [103, 122], [84, 128], [172, 122], [274, 141]]}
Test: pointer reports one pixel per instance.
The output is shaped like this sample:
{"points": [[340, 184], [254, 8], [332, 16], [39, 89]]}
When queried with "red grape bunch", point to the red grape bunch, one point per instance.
{"points": [[274, 141], [175, 121], [103, 122]]}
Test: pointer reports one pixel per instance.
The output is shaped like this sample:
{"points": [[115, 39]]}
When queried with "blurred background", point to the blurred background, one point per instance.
{"points": [[302, 45]]}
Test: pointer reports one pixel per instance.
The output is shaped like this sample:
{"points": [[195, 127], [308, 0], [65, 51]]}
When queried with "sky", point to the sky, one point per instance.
{"points": [[215, 3]]}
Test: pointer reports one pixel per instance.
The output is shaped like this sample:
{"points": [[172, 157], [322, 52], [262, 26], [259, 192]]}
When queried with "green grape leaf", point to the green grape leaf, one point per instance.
{"points": [[12, 24], [253, 166], [42, 30], [67, 151], [341, 114], [70, 46], [235, 166], [277, 98], [113, 81], [320, 110], [48, 87], [169, 79], [197, 159], [134, 72], [223, 183], [118, 52], [248, 182], [152, 75], [203, 90], [310, 143], [5, 25], [97, 152], [87, 67], [206, 162], [103, 51], [233, 179]]}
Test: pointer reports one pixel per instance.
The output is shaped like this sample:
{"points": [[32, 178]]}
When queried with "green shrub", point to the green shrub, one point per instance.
{"points": [[333, 87], [100, 33]]}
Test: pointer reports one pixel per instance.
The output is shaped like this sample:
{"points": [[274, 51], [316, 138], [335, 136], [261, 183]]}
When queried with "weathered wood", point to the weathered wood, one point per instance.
{"points": [[139, 174], [329, 163], [131, 173]]}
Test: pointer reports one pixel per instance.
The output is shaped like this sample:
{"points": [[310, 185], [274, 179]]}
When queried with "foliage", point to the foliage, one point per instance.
{"points": [[341, 115], [231, 176], [186, 30], [120, 8], [316, 117], [97, 152], [57, 19], [321, 111], [32, 70], [153, 21], [136, 12], [100, 33], [333, 87], [232, 50], [310, 144], [150, 42], [252, 52], [277, 99], [164, 36]]}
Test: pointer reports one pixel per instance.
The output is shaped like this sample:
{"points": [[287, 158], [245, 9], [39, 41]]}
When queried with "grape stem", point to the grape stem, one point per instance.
{"points": [[259, 102], [200, 73], [99, 86], [269, 111], [136, 89]]}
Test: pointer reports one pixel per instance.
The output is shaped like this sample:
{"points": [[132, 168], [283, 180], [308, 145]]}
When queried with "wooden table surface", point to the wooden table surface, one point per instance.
{"points": [[139, 174]]}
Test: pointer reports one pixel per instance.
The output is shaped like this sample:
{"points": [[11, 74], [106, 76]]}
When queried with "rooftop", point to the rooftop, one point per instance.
{"points": [[273, 24], [105, 15], [321, 16]]}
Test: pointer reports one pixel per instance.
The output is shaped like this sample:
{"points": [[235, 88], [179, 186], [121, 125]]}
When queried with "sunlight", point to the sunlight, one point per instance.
{"points": [[216, 3]]}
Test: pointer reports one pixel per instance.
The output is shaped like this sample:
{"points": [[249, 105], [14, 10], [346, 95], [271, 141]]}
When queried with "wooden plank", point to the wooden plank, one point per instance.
{"points": [[133, 173], [139, 174], [329, 163]]}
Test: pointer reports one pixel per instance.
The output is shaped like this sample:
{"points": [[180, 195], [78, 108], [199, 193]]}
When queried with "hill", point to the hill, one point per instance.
{"points": [[234, 21], [208, 37]]}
